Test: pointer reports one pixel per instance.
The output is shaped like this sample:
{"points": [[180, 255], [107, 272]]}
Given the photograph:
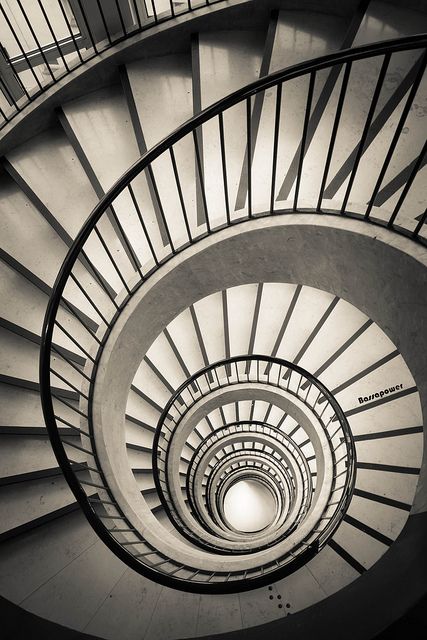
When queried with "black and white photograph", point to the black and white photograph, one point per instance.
{"points": [[213, 319]]}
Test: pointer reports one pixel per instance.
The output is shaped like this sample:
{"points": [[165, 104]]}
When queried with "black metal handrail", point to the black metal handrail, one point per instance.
{"points": [[191, 472], [278, 374], [266, 462], [107, 305], [62, 35], [242, 427]]}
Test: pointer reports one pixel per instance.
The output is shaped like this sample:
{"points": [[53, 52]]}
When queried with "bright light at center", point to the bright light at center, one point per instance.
{"points": [[249, 506]]}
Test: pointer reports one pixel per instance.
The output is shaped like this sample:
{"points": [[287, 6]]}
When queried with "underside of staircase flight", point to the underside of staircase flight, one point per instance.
{"points": [[213, 319]]}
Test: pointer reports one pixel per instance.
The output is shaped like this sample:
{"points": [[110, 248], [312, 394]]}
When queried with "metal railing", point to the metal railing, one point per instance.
{"points": [[280, 375], [42, 41], [250, 430], [164, 204]]}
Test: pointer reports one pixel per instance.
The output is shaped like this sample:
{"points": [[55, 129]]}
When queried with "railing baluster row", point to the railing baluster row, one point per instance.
{"points": [[96, 30]]}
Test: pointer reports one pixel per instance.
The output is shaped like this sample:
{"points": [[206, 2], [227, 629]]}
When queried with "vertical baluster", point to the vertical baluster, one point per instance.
{"points": [[9, 97], [224, 166], [89, 31], [113, 262], [180, 195], [142, 223], [70, 31], [36, 40], [420, 224], [153, 5], [396, 136], [138, 17], [52, 33], [405, 191], [304, 136], [338, 112], [104, 22], [201, 178], [149, 170], [249, 147], [275, 144], [122, 22], [360, 148], [21, 48]]}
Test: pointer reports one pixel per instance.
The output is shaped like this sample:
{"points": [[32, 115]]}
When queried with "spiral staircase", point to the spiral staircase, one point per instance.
{"points": [[213, 385]]}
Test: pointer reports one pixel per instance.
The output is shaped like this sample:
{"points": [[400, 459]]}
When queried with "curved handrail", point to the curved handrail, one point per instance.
{"points": [[268, 361], [264, 83], [343, 60], [261, 429]]}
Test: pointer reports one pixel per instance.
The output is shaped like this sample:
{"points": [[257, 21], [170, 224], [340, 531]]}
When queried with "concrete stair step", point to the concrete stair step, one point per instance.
{"points": [[220, 66], [33, 558], [151, 86], [89, 118], [138, 434], [209, 315], [20, 407], [298, 36], [45, 242], [156, 388], [24, 309], [25, 454], [156, 83], [41, 165], [100, 129], [101, 568], [21, 363], [21, 503]]}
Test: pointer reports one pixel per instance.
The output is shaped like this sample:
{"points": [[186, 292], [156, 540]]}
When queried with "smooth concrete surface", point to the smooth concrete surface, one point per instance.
{"points": [[24, 304], [51, 600], [19, 505], [15, 451], [371, 594], [31, 560]]}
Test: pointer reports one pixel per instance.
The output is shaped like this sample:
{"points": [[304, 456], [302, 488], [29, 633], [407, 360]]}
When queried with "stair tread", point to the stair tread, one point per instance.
{"points": [[29, 561], [23, 503], [225, 64], [157, 83]]}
